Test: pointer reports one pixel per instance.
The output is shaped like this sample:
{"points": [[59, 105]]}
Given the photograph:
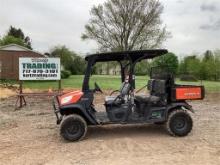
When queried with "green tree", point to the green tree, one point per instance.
{"points": [[10, 39], [169, 60], [205, 68], [16, 36], [78, 66], [143, 68], [69, 60], [66, 56], [208, 55], [17, 33], [210, 66], [217, 64], [191, 65], [119, 25]]}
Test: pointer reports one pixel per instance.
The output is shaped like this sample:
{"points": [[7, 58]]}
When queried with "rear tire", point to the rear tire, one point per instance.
{"points": [[179, 123], [73, 128]]}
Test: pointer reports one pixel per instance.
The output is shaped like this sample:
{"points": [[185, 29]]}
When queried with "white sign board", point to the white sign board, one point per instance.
{"points": [[39, 68]]}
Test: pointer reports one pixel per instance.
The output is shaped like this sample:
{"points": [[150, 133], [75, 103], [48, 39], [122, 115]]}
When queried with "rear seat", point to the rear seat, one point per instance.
{"points": [[157, 89]]}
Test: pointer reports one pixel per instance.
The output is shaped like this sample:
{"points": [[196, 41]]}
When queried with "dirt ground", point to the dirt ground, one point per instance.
{"points": [[30, 136]]}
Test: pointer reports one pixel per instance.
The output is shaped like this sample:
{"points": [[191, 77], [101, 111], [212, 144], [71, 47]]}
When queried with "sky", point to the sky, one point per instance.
{"points": [[194, 25]]}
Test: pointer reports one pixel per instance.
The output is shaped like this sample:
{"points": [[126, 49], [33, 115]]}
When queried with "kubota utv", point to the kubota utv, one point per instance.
{"points": [[166, 103]]}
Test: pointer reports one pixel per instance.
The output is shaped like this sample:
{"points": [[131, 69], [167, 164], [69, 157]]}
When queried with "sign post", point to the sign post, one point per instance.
{"points": [[37, 69]]}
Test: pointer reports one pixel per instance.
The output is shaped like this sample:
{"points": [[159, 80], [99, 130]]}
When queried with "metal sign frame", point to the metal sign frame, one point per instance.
{"points": [[20, 102]]}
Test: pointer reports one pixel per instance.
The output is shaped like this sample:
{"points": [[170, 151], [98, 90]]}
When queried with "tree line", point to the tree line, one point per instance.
{"points": [[194, 67], [203, 67], [124, 25], [191, 67]]}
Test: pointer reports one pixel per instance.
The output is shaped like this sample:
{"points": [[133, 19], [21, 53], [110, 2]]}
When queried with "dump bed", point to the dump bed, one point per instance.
{"points": [[187, 92]]}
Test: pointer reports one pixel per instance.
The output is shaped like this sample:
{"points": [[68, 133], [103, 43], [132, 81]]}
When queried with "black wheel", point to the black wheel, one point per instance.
{"points": [[73, 128], [179, 123]]}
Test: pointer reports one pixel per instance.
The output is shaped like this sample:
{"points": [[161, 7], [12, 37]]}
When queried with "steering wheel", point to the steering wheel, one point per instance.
{"points": [[97, 88]]}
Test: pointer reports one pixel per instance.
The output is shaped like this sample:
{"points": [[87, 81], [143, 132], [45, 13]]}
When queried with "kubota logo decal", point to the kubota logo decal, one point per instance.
{"points": [[192, 94]]}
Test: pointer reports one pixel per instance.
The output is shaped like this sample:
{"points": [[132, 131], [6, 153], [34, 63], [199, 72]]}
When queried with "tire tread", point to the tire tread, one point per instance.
{"points": [[73, 117], [170, 117]]}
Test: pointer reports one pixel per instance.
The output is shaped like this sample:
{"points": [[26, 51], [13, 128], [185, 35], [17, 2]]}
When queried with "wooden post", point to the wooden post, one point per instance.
{"points": [[20, 94], [20, 98]]}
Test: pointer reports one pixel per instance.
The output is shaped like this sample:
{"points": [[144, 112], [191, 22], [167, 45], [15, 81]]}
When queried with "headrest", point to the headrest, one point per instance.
{"points": [[159, 86]]}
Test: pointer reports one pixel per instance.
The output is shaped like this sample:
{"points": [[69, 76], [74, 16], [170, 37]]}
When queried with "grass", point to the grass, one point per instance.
{"points": [[108, 82]]}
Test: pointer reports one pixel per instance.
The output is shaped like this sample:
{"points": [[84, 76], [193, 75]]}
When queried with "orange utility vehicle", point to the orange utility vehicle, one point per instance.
{"points": [[166, 102]]}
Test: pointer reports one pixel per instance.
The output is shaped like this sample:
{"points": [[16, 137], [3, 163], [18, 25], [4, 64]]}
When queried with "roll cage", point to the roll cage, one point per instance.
{"points": [[131, 58]]}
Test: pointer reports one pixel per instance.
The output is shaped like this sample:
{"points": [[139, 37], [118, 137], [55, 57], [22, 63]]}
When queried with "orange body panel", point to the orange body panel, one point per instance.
{"points": [[188, 93], [70, 98]]}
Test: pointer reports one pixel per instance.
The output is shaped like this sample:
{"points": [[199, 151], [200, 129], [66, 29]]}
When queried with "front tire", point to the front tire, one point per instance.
{"points": [[73, 128], [179, 123]]}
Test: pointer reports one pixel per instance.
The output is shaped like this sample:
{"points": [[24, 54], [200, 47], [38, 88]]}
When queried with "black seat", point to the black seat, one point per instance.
{"points": [[147, 99], [157, 90], [124, 90]]}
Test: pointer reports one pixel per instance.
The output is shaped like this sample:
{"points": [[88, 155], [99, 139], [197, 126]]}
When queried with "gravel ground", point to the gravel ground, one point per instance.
{"points": [[30, 136]]}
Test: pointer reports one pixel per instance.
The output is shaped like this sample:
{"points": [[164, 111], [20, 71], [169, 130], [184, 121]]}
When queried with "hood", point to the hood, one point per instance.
{"points": [[70, 98]]}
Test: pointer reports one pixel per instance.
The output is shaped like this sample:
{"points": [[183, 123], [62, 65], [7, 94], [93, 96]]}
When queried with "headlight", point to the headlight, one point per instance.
{"points": [[66, 99]]}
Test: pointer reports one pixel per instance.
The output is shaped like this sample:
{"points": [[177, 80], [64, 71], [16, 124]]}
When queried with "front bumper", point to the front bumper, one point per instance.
{"points": [[56, 109]]}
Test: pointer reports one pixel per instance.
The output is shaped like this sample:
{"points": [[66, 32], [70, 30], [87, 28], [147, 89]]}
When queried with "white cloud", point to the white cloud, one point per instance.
{"points": [[50, 22], [184, 20]]}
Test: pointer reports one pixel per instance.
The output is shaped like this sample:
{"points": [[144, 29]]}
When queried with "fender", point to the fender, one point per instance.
{"points": [[179, 105], [79, 109]]}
